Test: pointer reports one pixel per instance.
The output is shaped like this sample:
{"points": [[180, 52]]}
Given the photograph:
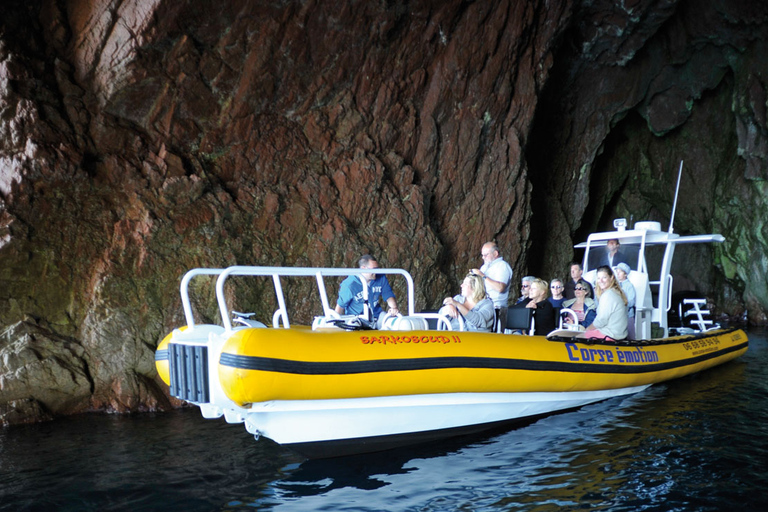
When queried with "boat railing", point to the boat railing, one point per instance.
{"points": [[184, 290], [280, 315], [703, 324]]}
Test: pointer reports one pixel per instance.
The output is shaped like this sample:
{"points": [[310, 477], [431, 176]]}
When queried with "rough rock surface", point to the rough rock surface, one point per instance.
{"points": [[142, 138], [639, 87]]}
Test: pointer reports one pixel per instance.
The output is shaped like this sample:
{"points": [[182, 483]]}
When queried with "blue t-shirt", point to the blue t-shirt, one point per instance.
{"points": [[351, 294], [556, 303]]}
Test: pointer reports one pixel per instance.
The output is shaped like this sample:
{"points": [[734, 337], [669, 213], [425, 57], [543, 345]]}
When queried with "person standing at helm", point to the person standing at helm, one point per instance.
{"points": [[351, 300], [497, 276], [613, 254]]}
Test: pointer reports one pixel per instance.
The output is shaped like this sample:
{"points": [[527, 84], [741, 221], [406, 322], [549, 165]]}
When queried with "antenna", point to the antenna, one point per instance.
{"points": [[674, 204]]}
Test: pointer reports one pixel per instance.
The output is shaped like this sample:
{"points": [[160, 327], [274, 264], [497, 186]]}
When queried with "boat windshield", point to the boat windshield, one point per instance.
{"points": [[628, 253]]}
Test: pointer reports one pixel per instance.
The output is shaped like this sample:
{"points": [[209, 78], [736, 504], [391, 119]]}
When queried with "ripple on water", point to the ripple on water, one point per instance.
{"points": [[692, 444]]}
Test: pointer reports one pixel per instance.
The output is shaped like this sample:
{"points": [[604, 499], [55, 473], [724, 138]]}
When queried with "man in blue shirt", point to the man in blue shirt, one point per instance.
{"points": [[351, 300]]}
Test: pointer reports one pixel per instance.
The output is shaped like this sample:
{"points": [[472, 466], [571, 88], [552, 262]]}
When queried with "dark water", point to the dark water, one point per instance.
{"points": [[699, 443]]}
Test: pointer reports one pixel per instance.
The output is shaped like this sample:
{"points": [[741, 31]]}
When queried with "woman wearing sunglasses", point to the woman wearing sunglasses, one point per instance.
{"points": [[583, 305]]}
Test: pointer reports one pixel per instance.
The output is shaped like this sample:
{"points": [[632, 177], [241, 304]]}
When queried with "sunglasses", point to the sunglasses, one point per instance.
{"points": [[580, 289], [525, 286], [557, 287]]}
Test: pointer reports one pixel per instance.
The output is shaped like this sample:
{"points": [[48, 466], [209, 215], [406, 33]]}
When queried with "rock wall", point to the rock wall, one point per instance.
{"points": [[637, 88], [142, 138]]}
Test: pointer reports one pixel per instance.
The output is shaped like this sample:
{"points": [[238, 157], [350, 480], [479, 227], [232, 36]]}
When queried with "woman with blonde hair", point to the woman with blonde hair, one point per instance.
{"points": [[544, 313], [611, 319], [472, 304]]}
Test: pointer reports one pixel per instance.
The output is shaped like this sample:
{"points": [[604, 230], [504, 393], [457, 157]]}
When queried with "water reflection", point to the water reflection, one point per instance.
{"points": [[144, 462], [691, 444], [676, 445]]}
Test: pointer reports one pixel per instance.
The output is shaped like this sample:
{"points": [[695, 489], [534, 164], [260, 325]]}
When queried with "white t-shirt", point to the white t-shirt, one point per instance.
{"points": [[498, 270]]}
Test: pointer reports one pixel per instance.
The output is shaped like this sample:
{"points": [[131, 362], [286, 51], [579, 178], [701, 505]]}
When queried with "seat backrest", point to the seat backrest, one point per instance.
{"points": [[406, 323], [431, 316], [520, 319], [436, 321], [591, 278], [643, 304]]}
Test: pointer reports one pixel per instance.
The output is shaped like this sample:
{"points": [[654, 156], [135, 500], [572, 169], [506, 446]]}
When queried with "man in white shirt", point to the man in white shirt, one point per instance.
{"points": [[497, 276]]}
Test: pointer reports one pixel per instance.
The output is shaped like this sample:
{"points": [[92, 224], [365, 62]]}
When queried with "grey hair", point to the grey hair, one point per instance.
{"points": [[365, 259]]}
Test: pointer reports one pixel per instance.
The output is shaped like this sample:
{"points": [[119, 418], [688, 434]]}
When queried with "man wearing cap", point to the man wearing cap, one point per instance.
{"points": [[622, 271]]}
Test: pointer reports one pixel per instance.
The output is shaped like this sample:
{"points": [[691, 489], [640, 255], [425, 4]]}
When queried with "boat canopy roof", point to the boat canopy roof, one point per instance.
{"points": [[635, 241], [647, 233]]}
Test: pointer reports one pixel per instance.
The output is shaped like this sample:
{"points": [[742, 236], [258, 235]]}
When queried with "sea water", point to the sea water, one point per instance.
{"points": [[695, 444]]}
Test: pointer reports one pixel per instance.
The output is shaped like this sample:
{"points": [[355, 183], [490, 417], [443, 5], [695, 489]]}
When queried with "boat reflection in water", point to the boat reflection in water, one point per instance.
{"points": [[693, 444]]}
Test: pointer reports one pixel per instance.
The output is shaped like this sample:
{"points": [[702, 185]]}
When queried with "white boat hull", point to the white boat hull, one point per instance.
{"points": [[308, 422]]}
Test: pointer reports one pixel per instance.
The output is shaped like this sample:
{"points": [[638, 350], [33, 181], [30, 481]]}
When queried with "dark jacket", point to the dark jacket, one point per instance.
{"points": [[543, 316]]}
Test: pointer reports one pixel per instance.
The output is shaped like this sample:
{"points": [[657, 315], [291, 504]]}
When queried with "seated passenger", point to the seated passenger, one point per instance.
{"points": [[583, 305], [557, 298], [576, 276], [472, 304], [525, 286], [622, 271], [611, 319], [544, 313]]}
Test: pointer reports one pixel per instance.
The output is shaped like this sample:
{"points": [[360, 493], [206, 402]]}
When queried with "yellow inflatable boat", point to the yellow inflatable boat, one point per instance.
{"points": [[336, 387]]}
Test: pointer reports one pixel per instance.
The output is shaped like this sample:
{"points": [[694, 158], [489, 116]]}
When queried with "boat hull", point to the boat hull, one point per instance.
{"points": [[254, 367], [334, 393], [362, 424]]}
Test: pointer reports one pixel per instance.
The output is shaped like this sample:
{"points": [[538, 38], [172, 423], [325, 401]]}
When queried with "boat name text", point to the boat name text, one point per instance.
{"points": [[610, 355], [367, 340]]}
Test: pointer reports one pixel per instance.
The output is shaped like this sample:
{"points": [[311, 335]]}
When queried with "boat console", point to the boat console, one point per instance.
{"points": [[648, 251]]}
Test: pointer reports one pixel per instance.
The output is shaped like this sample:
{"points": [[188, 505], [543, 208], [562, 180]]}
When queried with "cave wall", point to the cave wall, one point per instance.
{"points": [[142, 138], [637, 88]]}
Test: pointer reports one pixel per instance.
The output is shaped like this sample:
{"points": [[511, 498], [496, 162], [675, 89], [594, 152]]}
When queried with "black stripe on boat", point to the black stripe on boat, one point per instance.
{"points": [[436, 363]]}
